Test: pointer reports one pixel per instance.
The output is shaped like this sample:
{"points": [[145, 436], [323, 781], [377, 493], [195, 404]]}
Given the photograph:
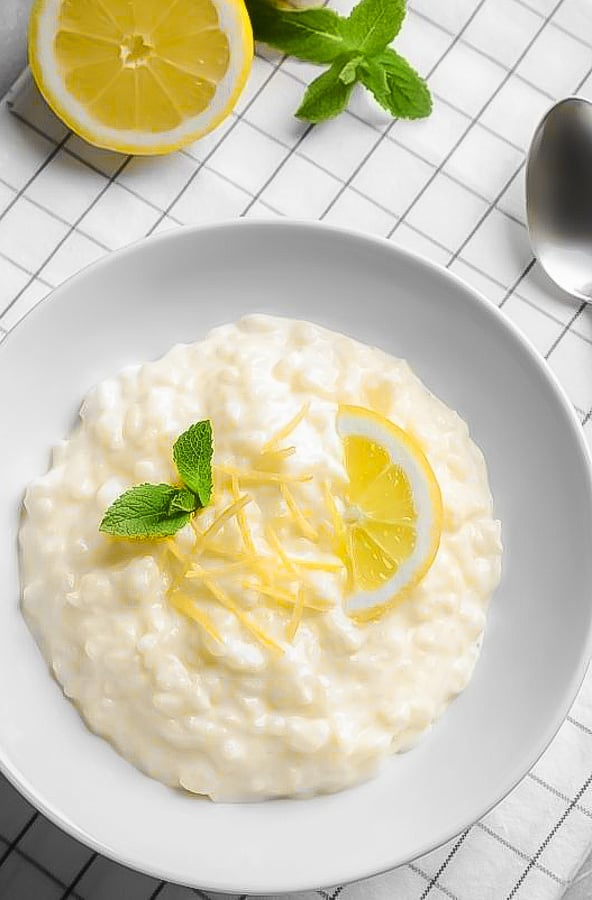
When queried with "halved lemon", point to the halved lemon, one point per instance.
{"points": [[392, 519], [140, 76]]}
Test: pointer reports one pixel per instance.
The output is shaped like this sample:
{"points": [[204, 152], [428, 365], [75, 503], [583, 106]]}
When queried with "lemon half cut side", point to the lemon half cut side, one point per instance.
{"points": [[140, 76], [392, 518]]}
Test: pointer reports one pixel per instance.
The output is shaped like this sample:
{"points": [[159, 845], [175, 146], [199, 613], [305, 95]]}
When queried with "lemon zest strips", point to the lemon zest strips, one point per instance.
{"points": [[171, 546], [292, 563], [305, 527], [296, 617], [279, 454], [221, 520], [224, 553], [316, 565], [241, 519], [184, 604], [285, 598], [224, 569], [275, 544], [286, 429], [254, 476], [241, 615]]}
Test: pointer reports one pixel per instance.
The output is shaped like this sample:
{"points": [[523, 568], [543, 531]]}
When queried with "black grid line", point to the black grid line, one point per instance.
{"points": [[532, 9], [31, 861], [297, 150], [69, 889], [391, 125], [312, 161], [380, 129], [13, 844], [200, 165], [23, 268], [23, 119], [493, 204], [434, 880], [571, 719], [57, 218], [157, 890], [278, 168], [571, 34], [327, 896], [37, 172], [559, 794], [369, 199], [437, 886], [63, 147], [69, 232], [566, 328], [486, 55], [228, 180], [520, 853], [520, 278], [543, 312], [478, 115], [549, 838]]}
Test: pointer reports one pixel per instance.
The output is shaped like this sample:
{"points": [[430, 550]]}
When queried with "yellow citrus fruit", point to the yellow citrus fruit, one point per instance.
{"points": [[140, 76], [392, 518]]}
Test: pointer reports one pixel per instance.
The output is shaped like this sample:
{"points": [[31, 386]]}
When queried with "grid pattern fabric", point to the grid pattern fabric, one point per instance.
{"points": [[450, 187]]}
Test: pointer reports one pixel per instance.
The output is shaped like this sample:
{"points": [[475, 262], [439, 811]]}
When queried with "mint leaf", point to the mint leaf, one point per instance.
{"points": [[145, 511], [310, 34], [184, 501], [349, 72], [373, 24], [192, 455], [328, 94], [396, 85]]}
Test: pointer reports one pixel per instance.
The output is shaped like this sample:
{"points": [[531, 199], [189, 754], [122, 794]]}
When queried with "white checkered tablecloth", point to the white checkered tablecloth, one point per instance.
{"points": [[450, 187]]}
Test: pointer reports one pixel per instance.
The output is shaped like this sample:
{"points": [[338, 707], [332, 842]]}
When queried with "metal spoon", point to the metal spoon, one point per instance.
{"points": [[559, 195]]}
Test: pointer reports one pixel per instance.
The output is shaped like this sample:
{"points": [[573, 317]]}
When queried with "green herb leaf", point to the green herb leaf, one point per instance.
{"points": [[145, 511], [373, 24], [349, 72], [192, 455], [396, 86], [357, 50], [184, 501], [328, 94], [310, 34]]}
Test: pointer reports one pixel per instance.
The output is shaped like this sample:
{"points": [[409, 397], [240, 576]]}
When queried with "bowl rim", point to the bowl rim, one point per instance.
{"points": [[298, 882]]}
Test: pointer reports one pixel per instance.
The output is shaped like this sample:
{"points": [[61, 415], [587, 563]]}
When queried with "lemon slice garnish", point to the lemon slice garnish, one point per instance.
{"points": [[392, 516], [140, 76]]}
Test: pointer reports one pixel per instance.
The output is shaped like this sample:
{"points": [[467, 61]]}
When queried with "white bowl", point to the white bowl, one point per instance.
{"points": [[132, 307]]}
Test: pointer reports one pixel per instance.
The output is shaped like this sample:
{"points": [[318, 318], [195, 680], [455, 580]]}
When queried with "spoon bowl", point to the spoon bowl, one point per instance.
{"points": [[559, 195]]}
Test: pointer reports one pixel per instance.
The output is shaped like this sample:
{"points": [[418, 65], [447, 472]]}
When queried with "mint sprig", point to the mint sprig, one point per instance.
{"points": [[149, 511], [355, 48], [192, 455]]}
